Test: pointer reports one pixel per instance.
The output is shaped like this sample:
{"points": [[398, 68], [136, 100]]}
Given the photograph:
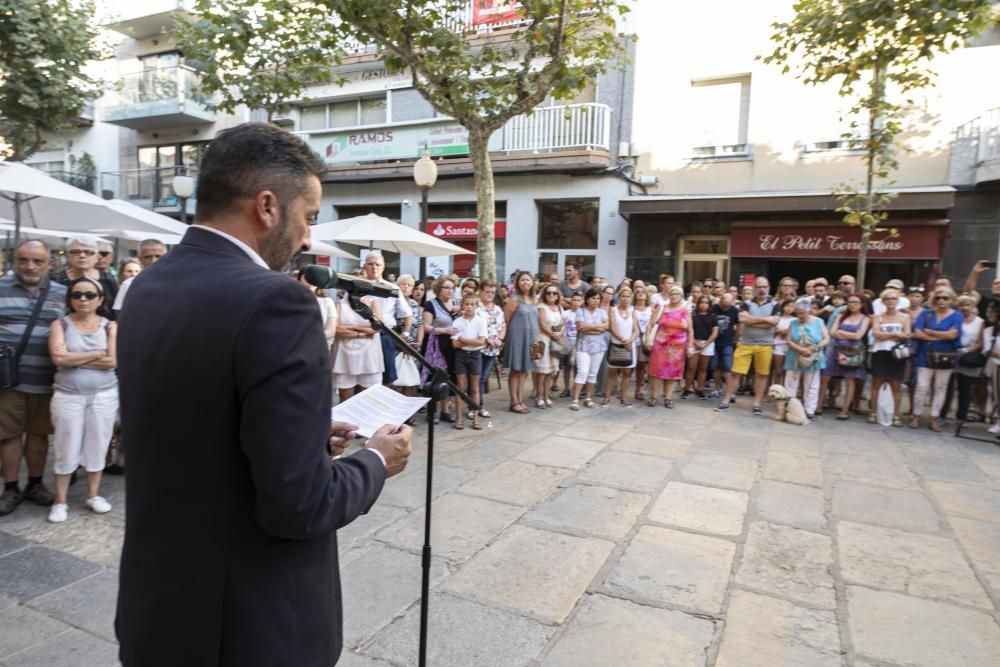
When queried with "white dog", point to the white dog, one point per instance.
{"points": [[789, 408]]}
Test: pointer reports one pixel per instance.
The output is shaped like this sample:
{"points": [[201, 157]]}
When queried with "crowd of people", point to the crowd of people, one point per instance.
{"points": [[57, 329]]}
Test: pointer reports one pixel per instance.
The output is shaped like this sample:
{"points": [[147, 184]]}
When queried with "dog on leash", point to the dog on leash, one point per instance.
{"points": [[789, 407]]}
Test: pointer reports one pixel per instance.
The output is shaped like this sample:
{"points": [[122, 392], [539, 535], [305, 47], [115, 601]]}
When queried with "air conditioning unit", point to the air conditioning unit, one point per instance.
{"points": [[282, 120]]}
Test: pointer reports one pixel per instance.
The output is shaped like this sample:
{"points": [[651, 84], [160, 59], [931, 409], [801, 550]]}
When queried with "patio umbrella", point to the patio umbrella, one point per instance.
{"points": [[375, 231], [327, 250], [8, 226], [31, 197]]}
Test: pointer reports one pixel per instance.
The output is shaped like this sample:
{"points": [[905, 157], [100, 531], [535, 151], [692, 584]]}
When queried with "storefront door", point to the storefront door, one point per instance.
{"points": [[555, 261], [703, 257]]}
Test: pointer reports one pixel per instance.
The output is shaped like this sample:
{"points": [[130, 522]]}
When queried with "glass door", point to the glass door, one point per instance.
{"points": [[555, 261], [703, 257]]}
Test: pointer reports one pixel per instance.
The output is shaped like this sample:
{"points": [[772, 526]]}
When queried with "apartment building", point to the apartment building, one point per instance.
{"points": [[746, 158]]}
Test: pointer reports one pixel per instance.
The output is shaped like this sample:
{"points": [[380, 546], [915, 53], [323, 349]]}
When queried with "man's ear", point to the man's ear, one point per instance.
{"points": [[267, 212]]}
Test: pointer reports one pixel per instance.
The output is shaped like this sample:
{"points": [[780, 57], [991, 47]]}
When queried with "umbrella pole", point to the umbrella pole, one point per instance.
{"points": [[17, 218]]}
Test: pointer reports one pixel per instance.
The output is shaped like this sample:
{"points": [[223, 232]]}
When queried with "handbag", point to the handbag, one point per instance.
{"points": [[972, 360], [9, 356], [557, 347], [941, 360], [804, 360], [850, 357], [537, 350], [619, 356], [902, 351], [652, 329]]}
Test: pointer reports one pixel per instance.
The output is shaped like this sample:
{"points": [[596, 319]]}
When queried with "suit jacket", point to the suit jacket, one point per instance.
{"points": [[230, 554]]}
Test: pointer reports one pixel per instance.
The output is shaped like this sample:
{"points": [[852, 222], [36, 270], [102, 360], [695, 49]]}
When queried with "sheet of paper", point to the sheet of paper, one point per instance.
{"points": [[375, 407]]}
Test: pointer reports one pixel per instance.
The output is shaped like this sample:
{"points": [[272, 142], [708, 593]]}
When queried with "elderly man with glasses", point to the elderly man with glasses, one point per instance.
{"points": [[83, 254]]}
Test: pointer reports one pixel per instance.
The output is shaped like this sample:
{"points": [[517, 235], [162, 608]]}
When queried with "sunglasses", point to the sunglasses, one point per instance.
{"points": [[89, 296], [78, 251], [104, 253], [942, 298]]}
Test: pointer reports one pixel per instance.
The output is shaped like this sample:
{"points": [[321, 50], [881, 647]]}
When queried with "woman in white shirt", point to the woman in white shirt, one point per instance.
{"points": [[643, 313], [971, 342], [550, 335], [624, 331]]}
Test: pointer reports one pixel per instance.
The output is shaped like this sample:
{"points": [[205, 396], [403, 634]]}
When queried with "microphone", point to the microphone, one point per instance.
{"points": [[324, 277]]}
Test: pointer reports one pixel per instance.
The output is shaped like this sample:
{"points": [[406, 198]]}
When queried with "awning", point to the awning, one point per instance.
{"points": [[835, 242], [936, 198]]}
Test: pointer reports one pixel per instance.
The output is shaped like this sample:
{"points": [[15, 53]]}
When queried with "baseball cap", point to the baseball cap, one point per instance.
{"points": [[895, 282]]}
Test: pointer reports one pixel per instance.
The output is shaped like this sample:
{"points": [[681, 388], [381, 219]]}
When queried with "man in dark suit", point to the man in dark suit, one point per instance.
{"points": [[230, 553]]}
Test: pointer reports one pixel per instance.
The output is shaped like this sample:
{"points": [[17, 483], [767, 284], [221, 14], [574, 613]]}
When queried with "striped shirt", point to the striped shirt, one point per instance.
{"points": [[36, 370]]}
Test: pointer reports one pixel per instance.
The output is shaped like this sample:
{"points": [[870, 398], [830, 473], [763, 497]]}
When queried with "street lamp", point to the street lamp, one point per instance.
{"points": [[425, 174], [183, 188]]}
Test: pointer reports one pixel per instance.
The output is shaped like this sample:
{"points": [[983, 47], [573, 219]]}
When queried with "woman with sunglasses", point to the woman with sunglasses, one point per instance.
{"points": [[889, 329], [551, 337], [938, 330], [521, 315], [85, 394]]}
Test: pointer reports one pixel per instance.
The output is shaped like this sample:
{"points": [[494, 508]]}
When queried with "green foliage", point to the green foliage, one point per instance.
{"points": [[878, 52], [44, 51], [258, 53]]}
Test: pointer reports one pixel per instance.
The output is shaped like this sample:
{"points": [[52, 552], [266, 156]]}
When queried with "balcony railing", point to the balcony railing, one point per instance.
{"points": [[149, 188], [77, 180], [161, 97], [975, 152], [580, 126]]}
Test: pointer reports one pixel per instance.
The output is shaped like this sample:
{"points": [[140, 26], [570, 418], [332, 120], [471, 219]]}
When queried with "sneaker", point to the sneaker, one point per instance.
{"points": [[702, 395], [995, 428], [685, 393], [721, 407], [98, 505], [716, 393], [9, 501], [470, 414], [485, 414], [757, 412], [40, 495], [58, 512]]}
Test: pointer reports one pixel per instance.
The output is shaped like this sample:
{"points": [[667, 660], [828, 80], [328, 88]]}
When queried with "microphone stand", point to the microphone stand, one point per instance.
{"points": [[436, 389]]}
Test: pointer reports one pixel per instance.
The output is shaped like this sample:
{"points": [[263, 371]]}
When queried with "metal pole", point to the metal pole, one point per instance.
{"points": [[184, 210], [423, 228], [17, 219]]}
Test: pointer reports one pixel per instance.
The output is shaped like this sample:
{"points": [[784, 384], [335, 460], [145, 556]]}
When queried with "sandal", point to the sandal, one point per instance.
{"points": [[549, 404], [588, 403], [640, 396], [540, 404], [626, 403], [871, 418], [605, 401], [574, 405], [476, 426], [843, 416], [669, 404], [897, 422], [458, 427], [914, 422], [519, 408]]}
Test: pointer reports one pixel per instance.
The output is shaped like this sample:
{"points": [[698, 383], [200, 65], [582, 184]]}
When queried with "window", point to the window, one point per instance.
{"points": [[583, 96], [829, 126], [347, 113], [571, 224], [720, 111]]}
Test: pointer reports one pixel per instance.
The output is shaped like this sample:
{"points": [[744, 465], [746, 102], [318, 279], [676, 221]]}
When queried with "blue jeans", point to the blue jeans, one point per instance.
{"points": [[484, 378], [389, 357], [723, 359]]}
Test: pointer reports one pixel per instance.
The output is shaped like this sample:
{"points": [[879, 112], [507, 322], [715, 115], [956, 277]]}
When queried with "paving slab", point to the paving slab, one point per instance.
{"points": [[672, 567], [409, 490], [461, 632], [660, 427], [763, 631], [24, 628], [881, 506], [89, 604], [379, 586], [93, 537], [906, 630], [794, 444], [791, 504], [352, 659], [702, 508], [597, 510], [862, 469], [730, 444], [597, 430], [946, 468], [11, 543], [35, 571], [860, 445], [974, 502], [562, 452], [920, 565], [981, 540], [359, 532], [484, 454], [652, 445], [628, 470], [793, 468], [610, 631], [461, 525], [537, 572], [516, 482], [72, 648], [718, 470], [790, 563]]}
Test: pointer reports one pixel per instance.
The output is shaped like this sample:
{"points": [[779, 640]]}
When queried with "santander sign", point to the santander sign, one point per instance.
{"points": [[463, 229]]}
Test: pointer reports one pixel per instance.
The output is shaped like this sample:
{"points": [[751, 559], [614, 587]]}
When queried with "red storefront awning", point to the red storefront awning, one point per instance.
{"points": [[463, 229], [836, 242]]}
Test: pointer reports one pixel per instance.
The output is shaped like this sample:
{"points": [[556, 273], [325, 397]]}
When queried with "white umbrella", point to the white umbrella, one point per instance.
{"points": [[327, 250], [129, 235], [45, 200], [9, 226], [149, 219], [374, 231]]}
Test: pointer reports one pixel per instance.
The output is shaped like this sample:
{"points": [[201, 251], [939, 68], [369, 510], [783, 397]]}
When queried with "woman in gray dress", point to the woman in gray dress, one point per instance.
{"points": [[521, 314]]}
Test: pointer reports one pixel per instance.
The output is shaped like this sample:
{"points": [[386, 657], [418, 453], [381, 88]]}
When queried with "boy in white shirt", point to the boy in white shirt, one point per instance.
{"points": [[468, 341]]}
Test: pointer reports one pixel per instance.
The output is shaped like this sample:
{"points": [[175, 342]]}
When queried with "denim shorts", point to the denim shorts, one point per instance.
{"points": [[468, 362], [723, 359]]}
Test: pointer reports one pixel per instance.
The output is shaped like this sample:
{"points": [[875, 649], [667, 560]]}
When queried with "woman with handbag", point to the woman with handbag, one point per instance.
{"points": [[624, 329], [805, 357], [889, 354], [439, 326], [550, 335], [643, 314], [938, 330], [846, 354], [591, 325], [521, 315], [970, 355], [670, 346]]}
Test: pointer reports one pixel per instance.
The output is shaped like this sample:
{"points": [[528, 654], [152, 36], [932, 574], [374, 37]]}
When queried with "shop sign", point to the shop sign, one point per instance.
{"points": [[487, 12], [834, 243], [361, 82], [463, 229], [390, 143]]}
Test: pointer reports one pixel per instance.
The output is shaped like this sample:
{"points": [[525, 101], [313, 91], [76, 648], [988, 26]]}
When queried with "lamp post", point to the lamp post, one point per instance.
{"points": [[425, 174], [183, 188]]}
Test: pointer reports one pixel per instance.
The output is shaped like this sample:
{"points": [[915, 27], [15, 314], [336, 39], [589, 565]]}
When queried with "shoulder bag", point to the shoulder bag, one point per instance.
{"points": [[939, 360], [619, 356], [10, 357], [652, 328], [803, 360]]}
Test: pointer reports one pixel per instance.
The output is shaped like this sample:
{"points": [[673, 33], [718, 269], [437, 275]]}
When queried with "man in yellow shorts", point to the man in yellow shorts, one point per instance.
{"points": [[758, 318]]}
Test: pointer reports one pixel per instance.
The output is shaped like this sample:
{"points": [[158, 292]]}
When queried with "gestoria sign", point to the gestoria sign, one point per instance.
{"points": [[485, 12], [390, 143], [917, 242]]}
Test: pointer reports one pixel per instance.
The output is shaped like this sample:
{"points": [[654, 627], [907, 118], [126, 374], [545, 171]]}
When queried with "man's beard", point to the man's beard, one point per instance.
{"points": [[276, 249], [30, 280]]}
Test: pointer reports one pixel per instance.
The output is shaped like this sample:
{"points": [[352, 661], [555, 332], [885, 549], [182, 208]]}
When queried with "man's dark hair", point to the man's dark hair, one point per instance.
{"points": [[243, 160]]}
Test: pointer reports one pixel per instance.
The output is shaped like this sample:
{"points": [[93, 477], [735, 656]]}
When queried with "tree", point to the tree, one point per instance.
{"points": [[44, 52], [258, 53], [484, 78], [879, 53]]}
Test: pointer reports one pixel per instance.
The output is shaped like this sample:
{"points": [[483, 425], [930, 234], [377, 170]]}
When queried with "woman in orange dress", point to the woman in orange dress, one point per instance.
{"points": [[670, 348]]}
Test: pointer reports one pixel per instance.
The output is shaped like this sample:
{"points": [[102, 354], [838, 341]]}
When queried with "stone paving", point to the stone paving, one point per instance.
{"points": [[616, 536]]}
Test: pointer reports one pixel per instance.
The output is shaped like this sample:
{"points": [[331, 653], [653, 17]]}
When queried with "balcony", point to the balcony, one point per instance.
{"points": [[159, 98], [574, 137], [149, 17], [975, 152], [76, 179], [149, 188]]}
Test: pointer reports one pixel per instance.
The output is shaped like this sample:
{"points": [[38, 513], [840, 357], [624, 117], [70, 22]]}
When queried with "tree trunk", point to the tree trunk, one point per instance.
{"points": [[877, 94], [485, 202]]}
